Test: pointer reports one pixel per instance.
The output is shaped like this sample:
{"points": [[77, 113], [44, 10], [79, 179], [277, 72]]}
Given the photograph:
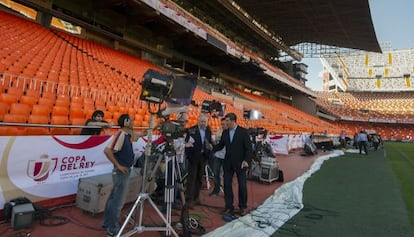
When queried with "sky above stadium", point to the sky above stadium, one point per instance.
{"points": [[392, 23]]}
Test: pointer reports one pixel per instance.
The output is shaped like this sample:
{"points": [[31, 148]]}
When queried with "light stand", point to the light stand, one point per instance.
{"points": [[169, 190], [144, 196]]}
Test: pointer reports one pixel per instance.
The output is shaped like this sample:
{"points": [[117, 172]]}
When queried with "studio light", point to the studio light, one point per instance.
{"points": [[156, 87]]}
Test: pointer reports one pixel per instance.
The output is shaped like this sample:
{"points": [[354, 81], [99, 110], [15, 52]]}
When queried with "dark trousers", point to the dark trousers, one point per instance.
{"points": [[195, 174], [363, 144], [218, 164], [228, 188]]}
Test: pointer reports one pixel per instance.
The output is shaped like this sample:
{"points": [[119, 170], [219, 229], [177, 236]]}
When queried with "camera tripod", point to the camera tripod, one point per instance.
{"points": [[144, 195]]}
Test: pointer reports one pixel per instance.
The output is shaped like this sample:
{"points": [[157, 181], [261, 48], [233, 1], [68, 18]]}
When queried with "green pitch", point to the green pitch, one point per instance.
{"points": [[359, 195]]}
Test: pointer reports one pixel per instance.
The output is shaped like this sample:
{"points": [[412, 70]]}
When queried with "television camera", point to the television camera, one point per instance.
{"points": [[264, 165], [260, 147], [172, 129], [214, 107], [255, 132]]}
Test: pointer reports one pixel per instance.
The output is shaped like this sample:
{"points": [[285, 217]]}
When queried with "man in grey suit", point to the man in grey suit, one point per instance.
{"points": [[237, 160]]}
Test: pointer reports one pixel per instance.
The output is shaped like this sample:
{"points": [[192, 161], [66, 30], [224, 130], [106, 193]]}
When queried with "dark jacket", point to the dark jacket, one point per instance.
{"points": [[237, 151], [195, 151]]}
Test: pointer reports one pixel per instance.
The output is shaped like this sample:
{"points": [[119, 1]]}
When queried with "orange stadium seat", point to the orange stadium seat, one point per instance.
{"points": [[59, 120], [28, 100], [15, 91], [14, 118], [4, 109], [47, 102], [38, 119], [60, 111], [76, 112], [32, 93], [62, 102], [49, 95], [20, 109], [41, 110], [8, 98], [76, 121]]}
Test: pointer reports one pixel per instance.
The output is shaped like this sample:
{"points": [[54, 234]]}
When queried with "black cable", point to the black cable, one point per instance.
{"points": [[79, 223]]}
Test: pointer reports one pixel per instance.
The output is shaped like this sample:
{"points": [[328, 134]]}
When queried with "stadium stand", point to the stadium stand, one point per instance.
{"points": [[64, 77]]}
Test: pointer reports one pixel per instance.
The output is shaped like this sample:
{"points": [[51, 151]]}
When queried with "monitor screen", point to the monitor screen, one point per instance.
{"points": [[183, 90]]}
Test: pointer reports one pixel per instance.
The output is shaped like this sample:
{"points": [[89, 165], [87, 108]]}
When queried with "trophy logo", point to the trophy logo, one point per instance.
{"points": [[40, 170]]}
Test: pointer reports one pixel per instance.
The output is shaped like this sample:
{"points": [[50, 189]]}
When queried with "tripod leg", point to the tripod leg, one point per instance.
{"points": [[131, 212], [180, 182], [169, 191], [206, 168]]}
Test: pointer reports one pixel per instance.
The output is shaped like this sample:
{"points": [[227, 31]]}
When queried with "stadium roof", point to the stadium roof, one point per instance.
{"points": [[345, 24], [339, 23]]}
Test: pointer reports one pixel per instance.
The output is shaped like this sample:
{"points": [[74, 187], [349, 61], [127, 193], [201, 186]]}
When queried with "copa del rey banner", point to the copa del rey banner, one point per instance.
{"points": [[45, 167]]}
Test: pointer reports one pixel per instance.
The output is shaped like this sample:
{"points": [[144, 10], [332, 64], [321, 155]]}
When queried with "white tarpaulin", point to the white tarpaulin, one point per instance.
{"points": [[275, 211]]}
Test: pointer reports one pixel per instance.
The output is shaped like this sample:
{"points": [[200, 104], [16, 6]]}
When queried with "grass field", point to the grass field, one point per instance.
{"points": [[359, 195], [401, 159]]}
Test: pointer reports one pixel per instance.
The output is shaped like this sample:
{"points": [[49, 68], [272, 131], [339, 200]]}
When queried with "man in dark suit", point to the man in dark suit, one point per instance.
{"points": [[197, 151], [237, 159]]}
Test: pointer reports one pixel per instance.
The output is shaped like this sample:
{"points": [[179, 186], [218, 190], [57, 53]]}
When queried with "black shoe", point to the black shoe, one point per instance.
{"points": [[242, 212], [227, 211], [111, 234]]}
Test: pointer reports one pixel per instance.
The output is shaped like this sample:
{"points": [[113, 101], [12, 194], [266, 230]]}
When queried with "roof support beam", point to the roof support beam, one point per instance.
{"points": [[256, 26]]}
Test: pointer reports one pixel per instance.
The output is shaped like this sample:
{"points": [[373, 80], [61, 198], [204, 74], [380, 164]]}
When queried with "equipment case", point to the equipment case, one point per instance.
{"points": [[269, 169], [94, 191]]}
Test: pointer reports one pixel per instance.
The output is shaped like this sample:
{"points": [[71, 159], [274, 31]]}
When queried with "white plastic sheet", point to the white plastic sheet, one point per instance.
{"points": [[285, 202]]}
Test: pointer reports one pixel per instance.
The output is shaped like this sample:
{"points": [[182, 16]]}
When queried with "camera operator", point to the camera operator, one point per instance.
{"points": [[120, 153]]}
